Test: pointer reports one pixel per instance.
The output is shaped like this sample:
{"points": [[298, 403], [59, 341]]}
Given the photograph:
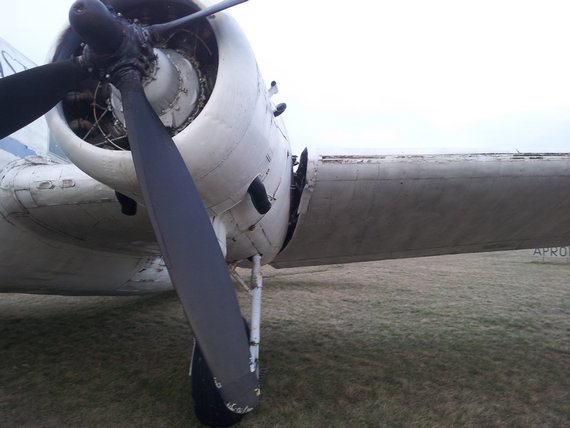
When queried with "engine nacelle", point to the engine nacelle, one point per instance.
{"points": [[206, 88]]}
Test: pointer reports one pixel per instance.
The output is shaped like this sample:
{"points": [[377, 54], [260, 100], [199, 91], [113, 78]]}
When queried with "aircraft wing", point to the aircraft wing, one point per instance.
{"points": [[360, 208]]}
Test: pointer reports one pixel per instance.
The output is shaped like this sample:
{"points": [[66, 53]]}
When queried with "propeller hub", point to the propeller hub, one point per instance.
{"points": [[113, 44], [172, 87]]}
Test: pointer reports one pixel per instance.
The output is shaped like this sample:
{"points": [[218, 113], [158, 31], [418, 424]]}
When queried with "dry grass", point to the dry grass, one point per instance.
{"points": [[462, 341]]}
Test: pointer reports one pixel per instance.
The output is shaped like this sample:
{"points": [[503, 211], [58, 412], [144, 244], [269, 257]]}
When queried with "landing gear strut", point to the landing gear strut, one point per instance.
{"points": [[255, 288], [208, 405]]}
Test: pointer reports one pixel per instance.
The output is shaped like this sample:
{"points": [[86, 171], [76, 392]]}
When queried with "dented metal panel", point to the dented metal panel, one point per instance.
{"points": [[61, 203], [63, 232], [382, 207]]}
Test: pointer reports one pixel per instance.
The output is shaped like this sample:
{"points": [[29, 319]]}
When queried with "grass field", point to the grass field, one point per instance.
{"points": [[456, 341]]}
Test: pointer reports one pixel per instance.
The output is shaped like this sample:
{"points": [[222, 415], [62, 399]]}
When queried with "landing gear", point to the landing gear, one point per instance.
{"points": [[208, 404], [255, 288]]}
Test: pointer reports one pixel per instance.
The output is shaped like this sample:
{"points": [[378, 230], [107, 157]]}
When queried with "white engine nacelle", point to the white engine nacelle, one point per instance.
{"points": [[206, 88]]}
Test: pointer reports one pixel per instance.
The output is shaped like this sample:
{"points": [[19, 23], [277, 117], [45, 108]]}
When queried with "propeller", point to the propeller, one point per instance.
{"points": [[197, 268], [30, 94], [162, 31]]}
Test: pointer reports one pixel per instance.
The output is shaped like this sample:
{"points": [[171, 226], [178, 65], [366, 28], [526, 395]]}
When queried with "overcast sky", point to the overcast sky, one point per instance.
{"points": [[395, 76]]}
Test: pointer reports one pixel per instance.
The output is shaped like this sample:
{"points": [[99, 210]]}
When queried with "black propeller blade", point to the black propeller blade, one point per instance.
{"points": [[162, 31], [122, 50], [188, 243], [32, 93], [190, 247]]}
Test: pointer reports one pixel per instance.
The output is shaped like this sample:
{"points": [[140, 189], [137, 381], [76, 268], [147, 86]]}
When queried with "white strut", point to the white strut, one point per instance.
{"points": [[256, 286]]}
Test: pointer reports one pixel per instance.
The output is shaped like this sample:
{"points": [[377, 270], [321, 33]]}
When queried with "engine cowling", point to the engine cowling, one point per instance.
{"points": [[207, 90]]}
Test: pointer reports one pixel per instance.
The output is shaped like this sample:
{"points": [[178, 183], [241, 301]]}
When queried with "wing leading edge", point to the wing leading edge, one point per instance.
{"points": [[384, 207]]}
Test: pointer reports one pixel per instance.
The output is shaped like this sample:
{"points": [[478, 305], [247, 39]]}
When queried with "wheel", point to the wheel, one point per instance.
{"points": [[208, 404], [209, 407]]}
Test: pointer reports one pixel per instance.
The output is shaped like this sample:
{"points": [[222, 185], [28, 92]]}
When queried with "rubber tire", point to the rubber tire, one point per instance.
{"points": [[209, 407]]}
